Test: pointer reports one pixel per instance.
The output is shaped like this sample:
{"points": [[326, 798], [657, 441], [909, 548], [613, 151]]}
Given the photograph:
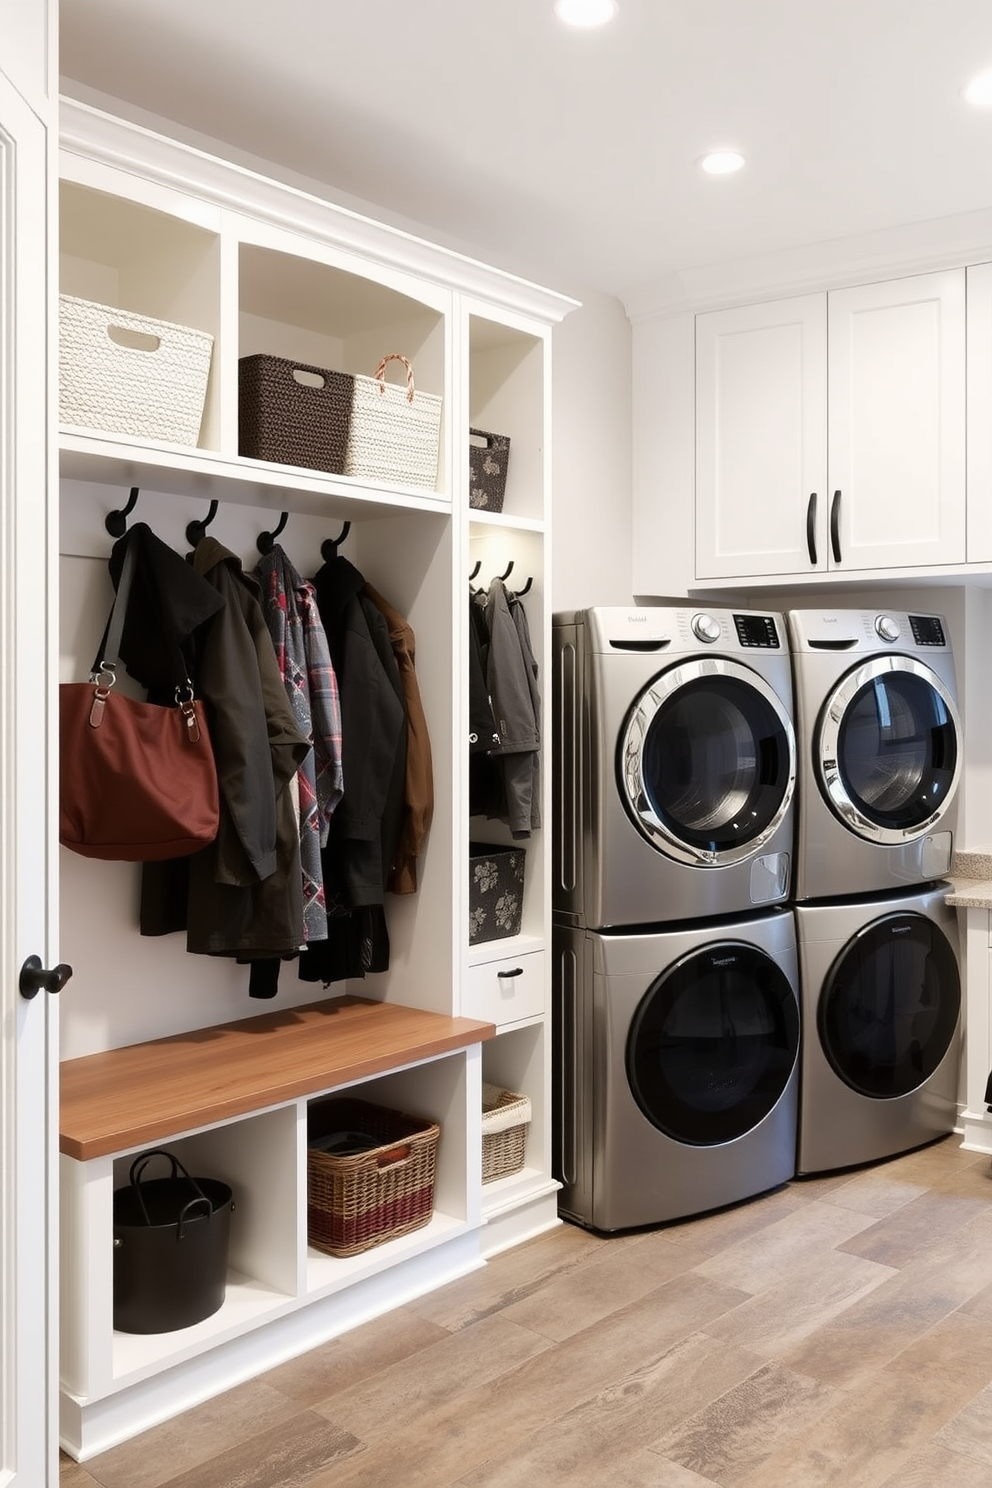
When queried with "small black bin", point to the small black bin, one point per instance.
{"points": [[170, 1248]]}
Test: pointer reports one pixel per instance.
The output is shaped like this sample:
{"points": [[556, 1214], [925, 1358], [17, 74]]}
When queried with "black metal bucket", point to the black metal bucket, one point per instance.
{"points": [[171, 1240]]}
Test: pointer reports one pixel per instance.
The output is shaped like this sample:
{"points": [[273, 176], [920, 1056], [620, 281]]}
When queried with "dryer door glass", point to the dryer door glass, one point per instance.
{"points": [[889, 756], [713, 1044], [889, 1006], [707, 762]]}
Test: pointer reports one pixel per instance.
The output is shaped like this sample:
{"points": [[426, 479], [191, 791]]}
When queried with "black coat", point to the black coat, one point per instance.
{"points": [[366, 825]]}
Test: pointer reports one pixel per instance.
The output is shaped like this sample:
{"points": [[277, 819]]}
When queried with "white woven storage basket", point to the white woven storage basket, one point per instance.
{"points": [[395, 430], [155, 391]]}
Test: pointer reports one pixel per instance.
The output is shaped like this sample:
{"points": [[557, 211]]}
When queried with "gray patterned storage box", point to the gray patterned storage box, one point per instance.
{"points": [[488, 457], [496, 891]]}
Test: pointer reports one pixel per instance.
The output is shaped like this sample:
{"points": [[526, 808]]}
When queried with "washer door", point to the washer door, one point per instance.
{"points": [[890, 1005], [713, 1044], [707, 762], [887, 755]]}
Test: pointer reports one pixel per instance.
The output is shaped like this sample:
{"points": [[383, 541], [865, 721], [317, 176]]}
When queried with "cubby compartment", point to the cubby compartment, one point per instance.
{"points": [[507, 371], [434, 1092], [137, 258], [498, 548], [518, 1060], [325, 315]]}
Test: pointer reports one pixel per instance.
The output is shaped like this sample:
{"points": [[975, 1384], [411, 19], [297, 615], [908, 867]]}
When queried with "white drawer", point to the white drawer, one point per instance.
{"points": [[505, 991]]}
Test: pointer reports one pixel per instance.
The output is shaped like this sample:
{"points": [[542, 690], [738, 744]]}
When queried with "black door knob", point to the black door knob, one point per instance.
{"points": [[36, 978]]}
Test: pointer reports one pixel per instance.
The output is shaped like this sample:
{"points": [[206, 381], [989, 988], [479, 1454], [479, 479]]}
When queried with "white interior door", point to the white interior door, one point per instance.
{"points": [[28, 906]]}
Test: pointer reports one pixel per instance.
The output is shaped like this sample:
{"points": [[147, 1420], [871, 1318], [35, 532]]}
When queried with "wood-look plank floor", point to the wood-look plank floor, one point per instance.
{"points": [[835, 1332]]}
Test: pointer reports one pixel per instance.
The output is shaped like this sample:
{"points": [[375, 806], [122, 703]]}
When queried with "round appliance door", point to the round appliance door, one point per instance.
{"points": [[713, 1044], [890, 1005], [707, 762], [887, 752]]}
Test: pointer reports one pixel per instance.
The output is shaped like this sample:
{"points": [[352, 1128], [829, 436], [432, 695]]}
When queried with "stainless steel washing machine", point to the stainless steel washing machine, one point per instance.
{"points": [[881, 1011], [676, 1073], [880, 750], [675, 764]]}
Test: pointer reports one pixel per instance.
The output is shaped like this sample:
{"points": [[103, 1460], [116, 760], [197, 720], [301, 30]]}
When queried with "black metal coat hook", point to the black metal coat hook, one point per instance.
{"points": [[196, 530], [475, 572], [116, 521], [329, 547], [265, 541], [504, 576], [519, 593]]}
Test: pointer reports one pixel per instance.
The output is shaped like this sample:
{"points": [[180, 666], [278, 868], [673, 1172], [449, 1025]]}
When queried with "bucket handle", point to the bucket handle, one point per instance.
{"points": [[137, 1172], [193, 1204]]}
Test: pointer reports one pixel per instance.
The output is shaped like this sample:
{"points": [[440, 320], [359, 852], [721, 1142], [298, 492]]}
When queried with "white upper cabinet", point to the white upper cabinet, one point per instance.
{"points": [[896, 423], [830, 432], [980, 413], [761, 438]]}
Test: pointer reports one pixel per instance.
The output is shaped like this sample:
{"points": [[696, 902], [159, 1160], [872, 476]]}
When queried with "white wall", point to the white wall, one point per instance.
{"points": [[591, 408]]}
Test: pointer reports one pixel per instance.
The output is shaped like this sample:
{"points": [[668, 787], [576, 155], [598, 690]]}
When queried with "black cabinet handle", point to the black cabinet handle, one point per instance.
{"points": [[835, 526], [36, 978], [811, 527], [517, 971]]}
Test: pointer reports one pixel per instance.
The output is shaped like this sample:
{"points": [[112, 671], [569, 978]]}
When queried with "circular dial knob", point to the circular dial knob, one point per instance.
{"points": [[705, 627], [887, 628]]}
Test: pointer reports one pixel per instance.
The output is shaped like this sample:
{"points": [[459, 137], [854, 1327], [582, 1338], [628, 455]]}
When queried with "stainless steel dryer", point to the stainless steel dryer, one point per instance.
{"points": [[677, 1070], [880, 750], [881, 995], [675, 763]]}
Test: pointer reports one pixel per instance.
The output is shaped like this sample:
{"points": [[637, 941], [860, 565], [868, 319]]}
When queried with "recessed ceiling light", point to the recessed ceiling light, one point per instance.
{"points": [[585, 12], [979, 90], [722, 162]]}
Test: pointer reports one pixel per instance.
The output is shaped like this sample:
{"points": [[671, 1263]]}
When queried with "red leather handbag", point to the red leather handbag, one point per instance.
{"points": [[138, 781]]}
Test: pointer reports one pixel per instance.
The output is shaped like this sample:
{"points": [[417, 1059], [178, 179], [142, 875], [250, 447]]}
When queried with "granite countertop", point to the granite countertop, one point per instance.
{"points": [[971, 881]]}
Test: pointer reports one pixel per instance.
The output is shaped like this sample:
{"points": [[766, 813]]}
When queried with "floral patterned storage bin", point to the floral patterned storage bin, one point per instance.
{"points": [[496, 891]]}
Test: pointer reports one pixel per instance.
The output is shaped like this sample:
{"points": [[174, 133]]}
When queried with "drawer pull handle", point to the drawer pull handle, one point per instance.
{"points": [[517, 971]]}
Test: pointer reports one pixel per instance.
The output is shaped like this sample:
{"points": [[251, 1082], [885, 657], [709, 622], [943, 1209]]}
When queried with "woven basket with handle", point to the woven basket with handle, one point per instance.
{"points": [[395, 429]]}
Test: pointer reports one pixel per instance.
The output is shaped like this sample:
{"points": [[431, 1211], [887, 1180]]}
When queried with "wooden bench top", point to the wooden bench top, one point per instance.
{"points": [[143, 1093]]}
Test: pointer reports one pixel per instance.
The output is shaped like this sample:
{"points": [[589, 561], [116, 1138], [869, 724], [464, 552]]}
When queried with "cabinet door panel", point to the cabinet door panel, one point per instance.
{"points": [[896, 421], [761, 439], [979, 476]]}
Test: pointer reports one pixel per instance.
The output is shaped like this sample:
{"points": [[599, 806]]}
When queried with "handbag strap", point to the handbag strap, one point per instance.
{"points": [[111, 645], [104, 670], [105, 665]]}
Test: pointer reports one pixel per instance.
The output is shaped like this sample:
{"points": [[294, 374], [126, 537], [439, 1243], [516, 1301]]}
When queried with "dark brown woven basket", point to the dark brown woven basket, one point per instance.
{"points": [[356, 1202], [289, 421]]}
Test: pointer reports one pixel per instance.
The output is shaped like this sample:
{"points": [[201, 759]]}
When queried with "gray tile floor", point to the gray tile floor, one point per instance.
{"points": [[836, 1331]]}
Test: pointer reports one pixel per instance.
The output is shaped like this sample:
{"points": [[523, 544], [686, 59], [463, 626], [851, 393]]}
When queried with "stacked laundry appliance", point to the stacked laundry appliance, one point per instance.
{"points": [[880, 750], [676, 985]]}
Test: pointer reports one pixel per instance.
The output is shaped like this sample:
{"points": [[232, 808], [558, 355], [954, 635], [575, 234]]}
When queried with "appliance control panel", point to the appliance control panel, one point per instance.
{"points": [[927, 630], [757, 630]]}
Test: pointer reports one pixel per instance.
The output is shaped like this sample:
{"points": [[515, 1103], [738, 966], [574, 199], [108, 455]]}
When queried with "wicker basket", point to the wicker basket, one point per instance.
{"points": [[505, 1123], [488, 457], [292, 413], [395, 431], [355, 1202], [153, 386]]}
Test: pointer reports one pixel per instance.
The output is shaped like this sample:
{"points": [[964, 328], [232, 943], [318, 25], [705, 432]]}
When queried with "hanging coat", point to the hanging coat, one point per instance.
{"points": [[244, 893], [290, 607], [512, 687], [365, 827], [419, 802]]}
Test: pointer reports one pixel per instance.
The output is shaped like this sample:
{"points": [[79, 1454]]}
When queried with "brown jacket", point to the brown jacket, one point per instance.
{"points": [[419, 806]]}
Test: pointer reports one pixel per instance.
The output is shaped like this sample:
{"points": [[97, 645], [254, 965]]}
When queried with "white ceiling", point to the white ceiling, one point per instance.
{"points": [[570, 157]]}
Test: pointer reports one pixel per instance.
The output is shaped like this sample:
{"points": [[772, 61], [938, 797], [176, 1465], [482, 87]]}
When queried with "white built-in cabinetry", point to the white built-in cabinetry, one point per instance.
{"points": [[156, 227], [830, 431]]}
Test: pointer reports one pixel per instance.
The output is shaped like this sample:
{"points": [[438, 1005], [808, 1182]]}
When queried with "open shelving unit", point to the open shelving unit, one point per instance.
{"points": [[154, 226]]}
